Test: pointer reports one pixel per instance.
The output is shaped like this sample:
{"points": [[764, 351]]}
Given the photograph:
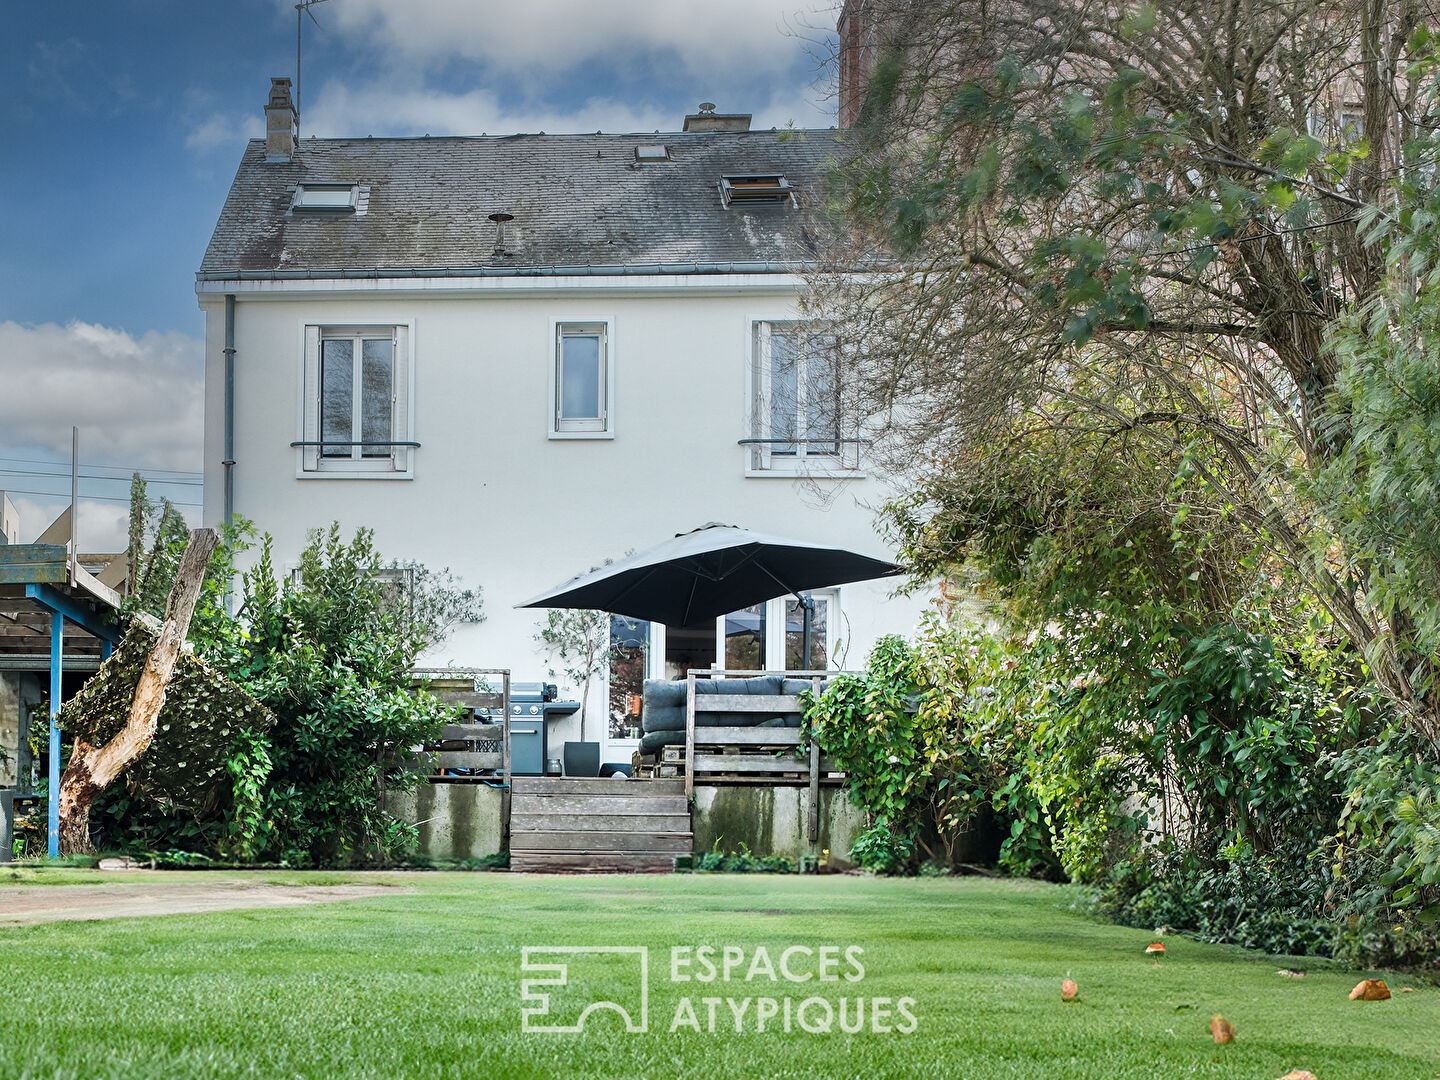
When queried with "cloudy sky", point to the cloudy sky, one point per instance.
{"points": [[123, 121]]}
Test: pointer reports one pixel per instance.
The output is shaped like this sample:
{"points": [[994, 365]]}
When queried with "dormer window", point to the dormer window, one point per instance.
{"points": [[652, 153], [756, 189], [331, 197]]}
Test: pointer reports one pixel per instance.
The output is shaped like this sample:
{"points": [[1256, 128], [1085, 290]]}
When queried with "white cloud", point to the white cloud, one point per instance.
{"points": [[209, 125], [524, 67], [408, 108], [227, 131], [376, 109], [103, 525], [136, 400], [551, 35]]}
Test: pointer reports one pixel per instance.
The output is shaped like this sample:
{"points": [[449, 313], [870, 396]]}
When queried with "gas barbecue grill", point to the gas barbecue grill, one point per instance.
{"points": [[531, 704]]}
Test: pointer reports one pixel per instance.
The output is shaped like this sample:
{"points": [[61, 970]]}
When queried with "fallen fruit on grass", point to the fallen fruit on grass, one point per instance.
{"points": [[1155, 947], [1298, 1074], [1068, 990], [1370, 990], [1221, 1030]]}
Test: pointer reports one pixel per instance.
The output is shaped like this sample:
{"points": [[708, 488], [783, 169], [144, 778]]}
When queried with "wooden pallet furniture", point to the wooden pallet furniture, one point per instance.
{"points": [[473, 746], [762, 752], [600, 824]]}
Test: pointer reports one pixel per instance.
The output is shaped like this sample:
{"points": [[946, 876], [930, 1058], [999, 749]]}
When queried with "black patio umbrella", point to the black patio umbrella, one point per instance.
{"points": [[712, 571]]}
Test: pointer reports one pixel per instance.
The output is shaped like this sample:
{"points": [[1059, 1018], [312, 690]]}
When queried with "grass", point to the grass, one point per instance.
{"points": [[425, 982]]}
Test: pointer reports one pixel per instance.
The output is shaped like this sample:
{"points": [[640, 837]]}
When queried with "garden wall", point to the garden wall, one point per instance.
{"points": [[455, 821], [771, 820], [462, 821]]}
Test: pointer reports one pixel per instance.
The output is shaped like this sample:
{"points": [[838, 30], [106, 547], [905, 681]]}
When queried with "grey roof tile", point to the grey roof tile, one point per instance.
{"points": [[578, 201]]}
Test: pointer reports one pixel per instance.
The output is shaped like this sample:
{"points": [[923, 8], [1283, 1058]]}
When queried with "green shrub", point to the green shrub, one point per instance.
{"points": [[898, 731], [883, 849], [329, 657], [742, 862]]}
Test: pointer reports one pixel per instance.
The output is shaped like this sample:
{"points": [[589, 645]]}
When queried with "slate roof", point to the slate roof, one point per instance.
{"points": [[581, 203]]}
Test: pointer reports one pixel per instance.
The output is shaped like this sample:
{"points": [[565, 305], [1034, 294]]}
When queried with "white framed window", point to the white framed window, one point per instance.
{"points": [[798, 424], [582, 379], [770, 636], [355, 402]]}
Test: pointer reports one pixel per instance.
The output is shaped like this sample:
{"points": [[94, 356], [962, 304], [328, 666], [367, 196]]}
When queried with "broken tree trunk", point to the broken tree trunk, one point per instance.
{"points": [[92, 768]]}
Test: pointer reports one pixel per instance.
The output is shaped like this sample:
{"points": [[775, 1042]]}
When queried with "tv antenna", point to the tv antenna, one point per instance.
{"points": [[301, 10]]}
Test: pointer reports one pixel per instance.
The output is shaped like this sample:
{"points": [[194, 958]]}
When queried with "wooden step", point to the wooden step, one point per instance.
{"points": [[563, 825], [659, 862], [584, 804], [550, 785], [544, 820], [680, 843]]}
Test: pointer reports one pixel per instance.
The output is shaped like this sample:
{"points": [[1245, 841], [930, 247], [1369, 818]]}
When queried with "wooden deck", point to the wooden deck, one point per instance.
{"points": [[631, 826]]}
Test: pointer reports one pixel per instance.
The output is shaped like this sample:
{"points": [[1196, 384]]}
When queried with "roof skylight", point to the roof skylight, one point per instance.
{"points": [[756, 189], [324, 197]]}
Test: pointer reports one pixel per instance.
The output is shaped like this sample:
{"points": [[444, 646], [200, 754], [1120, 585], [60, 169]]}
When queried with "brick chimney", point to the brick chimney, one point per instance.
{"points": [[857, 57], [279, 122]]}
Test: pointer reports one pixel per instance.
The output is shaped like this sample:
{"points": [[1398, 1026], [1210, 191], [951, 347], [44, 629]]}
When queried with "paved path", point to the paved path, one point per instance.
{"points": [[22, 905]]}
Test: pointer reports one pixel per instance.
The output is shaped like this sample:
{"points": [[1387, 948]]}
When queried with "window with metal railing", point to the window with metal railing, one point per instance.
{"points": [[356, 409], [797, 420]]}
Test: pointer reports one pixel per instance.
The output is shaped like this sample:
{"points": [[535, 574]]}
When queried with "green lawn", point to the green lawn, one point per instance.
{"points": [[426, 983]]}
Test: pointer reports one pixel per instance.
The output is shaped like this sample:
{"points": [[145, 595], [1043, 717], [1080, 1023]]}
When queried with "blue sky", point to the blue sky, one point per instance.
{"points": [[123, 121]]}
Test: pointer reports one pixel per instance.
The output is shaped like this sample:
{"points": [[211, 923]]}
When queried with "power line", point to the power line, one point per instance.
{"points": [[97, 465], [65, 495], [98, 476]]}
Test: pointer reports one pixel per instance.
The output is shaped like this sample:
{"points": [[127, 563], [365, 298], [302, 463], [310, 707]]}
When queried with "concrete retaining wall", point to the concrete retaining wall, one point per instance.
{"points": [[456, 821], [772, 820], [462, 821]]}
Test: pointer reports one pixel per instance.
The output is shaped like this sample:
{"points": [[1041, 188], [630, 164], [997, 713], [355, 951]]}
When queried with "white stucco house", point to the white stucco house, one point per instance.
{"points": [[519, 356]]}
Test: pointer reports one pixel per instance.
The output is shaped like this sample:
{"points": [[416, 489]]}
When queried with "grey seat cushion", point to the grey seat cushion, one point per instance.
{"points": [[673, 718], [659, 692], [662, 717], [665, 703], [760, 685], [794, 686], [654, 740]]}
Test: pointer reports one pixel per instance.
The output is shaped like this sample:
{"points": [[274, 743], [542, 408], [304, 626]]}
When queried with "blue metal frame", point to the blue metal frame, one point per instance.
{"points": [[87, 620], [57, 643], [61, 608]]}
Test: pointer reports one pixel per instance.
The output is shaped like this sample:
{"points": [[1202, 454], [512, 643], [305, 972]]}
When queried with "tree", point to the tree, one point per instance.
{"points": [[92, 768], [141, 511], [435, 600], [578, 641], [1138, 227]]}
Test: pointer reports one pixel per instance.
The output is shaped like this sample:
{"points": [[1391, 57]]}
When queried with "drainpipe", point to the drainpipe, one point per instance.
{"points": [[229, 460]]}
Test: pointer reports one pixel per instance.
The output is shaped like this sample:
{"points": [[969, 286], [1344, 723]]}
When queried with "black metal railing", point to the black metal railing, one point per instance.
{"points": [[358, 442]]}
